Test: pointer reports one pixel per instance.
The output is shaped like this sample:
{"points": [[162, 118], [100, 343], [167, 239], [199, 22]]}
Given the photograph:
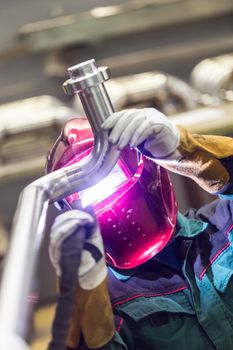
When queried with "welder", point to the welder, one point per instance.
{"points": [[149, 277]]}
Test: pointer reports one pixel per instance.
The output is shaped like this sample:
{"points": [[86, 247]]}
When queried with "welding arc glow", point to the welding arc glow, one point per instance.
{"points": [[104, 188]]}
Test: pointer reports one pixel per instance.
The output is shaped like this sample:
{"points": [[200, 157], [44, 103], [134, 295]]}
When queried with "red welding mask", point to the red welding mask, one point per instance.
{"points": [[135, 204]]}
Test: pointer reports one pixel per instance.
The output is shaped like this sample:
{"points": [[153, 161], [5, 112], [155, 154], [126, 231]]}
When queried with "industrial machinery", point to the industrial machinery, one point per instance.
{"points": [[213, 78]]}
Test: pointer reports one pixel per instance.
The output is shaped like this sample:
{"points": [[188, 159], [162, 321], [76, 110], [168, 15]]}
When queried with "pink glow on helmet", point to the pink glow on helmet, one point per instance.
{"points": [[135, 204]]}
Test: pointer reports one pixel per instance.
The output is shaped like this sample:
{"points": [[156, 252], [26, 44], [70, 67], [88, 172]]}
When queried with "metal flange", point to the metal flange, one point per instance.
{"points": [[85, 75]]}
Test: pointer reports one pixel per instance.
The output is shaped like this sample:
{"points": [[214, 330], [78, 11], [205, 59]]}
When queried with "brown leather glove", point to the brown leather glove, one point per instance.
{"points": [[200, 159]]}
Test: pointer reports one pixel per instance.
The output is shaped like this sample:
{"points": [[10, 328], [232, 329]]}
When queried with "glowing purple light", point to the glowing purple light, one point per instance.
{"points": [[135, 204], [104, 188]]}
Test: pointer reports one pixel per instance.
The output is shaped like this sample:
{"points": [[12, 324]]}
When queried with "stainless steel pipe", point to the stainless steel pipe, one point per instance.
{"points": [[28, 227]]}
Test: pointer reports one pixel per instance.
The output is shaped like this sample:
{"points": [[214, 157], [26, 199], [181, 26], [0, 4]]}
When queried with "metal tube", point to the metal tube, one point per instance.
{"points": [[19, 269], [30, 216]]}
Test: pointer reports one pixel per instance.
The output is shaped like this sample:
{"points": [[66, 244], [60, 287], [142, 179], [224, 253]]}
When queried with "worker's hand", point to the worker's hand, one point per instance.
{"points": [[92, 270], [77, 254], [145, 128]]}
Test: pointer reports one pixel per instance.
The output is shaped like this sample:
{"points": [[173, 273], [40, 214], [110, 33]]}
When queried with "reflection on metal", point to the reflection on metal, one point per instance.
{"points": [[167, 93], [31, 211], [152, 89], [28, 128], [109, 22], [208, 120], [214, 77]]}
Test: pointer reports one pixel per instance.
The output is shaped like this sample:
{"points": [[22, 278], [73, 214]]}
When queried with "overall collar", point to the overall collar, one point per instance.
{"points": [[189, 228]]}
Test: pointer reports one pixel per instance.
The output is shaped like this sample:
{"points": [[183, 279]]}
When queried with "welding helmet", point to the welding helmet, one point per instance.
{"points": [[135, 204]]}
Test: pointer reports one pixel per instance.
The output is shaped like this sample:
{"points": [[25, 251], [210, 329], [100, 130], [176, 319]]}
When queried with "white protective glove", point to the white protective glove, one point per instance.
{"points": [[92, 270], [147, 128], [12, 341]]}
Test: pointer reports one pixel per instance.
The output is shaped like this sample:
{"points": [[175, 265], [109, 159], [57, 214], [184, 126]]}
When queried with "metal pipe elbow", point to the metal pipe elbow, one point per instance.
{"points": [[77, 177]]}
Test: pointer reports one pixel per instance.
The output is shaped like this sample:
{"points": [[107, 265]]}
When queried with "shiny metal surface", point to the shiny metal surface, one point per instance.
{"points": [[207, 120], [156, 89], [28, 128], [214, 77], [31, 212], [85, 75], [18, 274], [87, 80]]}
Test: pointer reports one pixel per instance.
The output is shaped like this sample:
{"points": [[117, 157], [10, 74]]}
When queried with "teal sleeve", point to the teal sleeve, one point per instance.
{"points": [[123, 338]]}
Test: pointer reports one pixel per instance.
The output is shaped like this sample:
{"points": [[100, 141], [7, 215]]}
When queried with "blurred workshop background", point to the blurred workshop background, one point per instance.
{"points": [[175, 55]]}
